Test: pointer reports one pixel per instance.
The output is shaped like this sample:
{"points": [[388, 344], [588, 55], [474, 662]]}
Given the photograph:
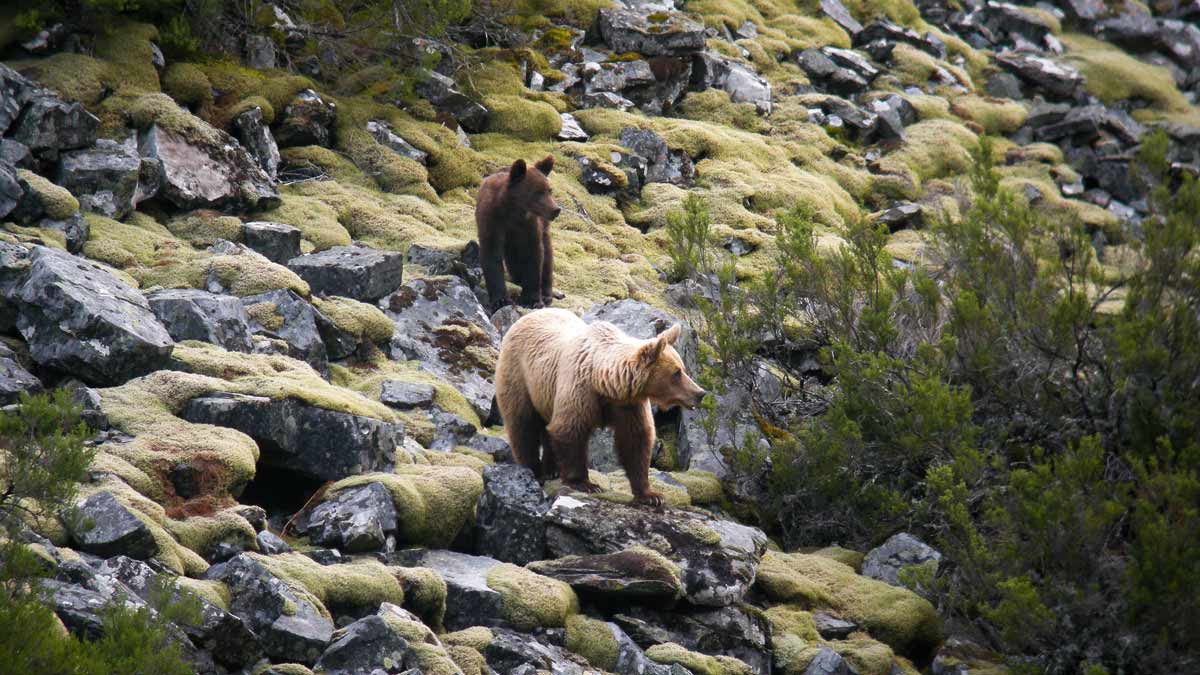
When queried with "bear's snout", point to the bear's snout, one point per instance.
{"points": [[697, 399], [554, 212]]}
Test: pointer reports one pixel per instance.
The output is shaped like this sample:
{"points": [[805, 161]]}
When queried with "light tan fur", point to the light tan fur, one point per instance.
{"points": [[559, 379]]}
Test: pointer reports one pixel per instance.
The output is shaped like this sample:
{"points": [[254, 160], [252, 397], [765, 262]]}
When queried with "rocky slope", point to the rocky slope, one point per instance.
{"points": [[260, 284]]}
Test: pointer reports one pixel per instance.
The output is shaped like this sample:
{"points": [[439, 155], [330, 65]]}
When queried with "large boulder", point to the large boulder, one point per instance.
{"points": [[642, 321], [717, 558], [11, 191], [470, 601], [307, 120], [386, 136], [104, 526], [509, 520], [358, 272], [663, 165], [441, 325], [49, 125], [283, 315], [15, 91], [255, 135], [1041, 74], [524, 654], [315, 442], [444, 95], [650, 34], [104, 177], [407, 395], [711, 70], [226, 636], [900, 552], [193, 314], [366, 647], [357, 519], [288, 625], [78, 318], [206, 170]]}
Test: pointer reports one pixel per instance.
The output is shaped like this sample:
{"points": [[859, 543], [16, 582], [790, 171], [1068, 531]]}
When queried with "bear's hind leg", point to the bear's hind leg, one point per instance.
{"points": [[568, 443], [522, 424], [633, 436]]}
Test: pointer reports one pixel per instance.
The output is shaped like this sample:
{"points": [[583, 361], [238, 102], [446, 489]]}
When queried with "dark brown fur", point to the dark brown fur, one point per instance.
{"points": [[512, 216]]}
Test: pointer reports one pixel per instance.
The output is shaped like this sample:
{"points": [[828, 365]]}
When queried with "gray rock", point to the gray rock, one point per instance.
{"points": [[899, 552], [1003, 85], [509, 519], [605, 99], [260, 52], [192, 314], [889, 32], [226, 636], [716, 570], [663, 165], [14, 379], [15, 154], [16, 91], [450, 430], [492, 445], [650, 33], [616, 76], [829, 662], [406, 395], [104, 177], [288, 626], [599, 179], [441, 324], [365, 647], [387, 137], [1086, 123], [298, 325], [14, 267], [356, 520], [194, 173], [358, 272], [728, 631], [49, 125], [836, 11], [11, 191], [255, 135], [1007, 19], [75, 230], [79, 318], [833, 628], [315, 442], [443, 93], [277, 242], [469, 599], [103, 526], [889, 123], [1055, 79], [633, 573], [88, 400], [269, 543], [307, 120], [904, 215], [711, 70], [522, 654], [82, 610], [571, 131]]}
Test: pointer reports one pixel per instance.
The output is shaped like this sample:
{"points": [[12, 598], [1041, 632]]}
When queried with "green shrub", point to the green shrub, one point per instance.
{"points": [[687, 233]]}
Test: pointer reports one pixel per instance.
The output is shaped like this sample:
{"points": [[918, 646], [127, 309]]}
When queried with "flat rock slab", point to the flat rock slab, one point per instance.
{"points": [[80, 319], [630, 573], [323, 444], [358, 272], [718, 559]]}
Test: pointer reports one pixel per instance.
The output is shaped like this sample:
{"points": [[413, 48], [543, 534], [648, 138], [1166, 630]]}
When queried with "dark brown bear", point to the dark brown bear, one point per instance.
{"points": [[513, 215]]}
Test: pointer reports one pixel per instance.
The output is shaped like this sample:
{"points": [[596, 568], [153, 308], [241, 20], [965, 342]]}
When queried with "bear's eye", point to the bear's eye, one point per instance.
{"points": [[678, 375]]}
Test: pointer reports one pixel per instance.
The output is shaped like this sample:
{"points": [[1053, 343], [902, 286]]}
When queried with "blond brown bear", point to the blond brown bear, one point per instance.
{"points": [[559, 379]]}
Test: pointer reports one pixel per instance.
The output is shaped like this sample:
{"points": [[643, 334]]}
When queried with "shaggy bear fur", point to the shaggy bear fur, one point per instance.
{"points": [[512, 216], [558, 379]]}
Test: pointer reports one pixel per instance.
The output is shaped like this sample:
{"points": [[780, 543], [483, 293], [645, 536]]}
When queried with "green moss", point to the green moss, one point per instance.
{"points": [[203, 533], [867, 656], [282, 669], [468, 660], [57, 202], [268, 111], [361, 584], [700, 664], [334, 164], [204, 228], [901, 11], [127, 49], [898, 617], [188, 85], [475, 637], [914, 66], [593, 640], [522, 118], [362, 320], [934, 149], [791, 620], [433, 503], [531, 601], [714, 105], [177, 558], [244, 274], [424, 593], [996, 116], [75, 77], [317, 222], [213, 591], [265, 314], [703, 486], [139, 246], [426, 650], [852, 559], [1111, 75]]}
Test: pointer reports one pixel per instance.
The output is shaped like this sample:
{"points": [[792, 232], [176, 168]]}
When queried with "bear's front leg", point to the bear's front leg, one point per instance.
{"points": [[569, 439], [633, 436]]}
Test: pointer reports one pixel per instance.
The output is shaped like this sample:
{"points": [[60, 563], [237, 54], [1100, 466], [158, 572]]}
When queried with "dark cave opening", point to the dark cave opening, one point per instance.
{"points": [[279, 491]]}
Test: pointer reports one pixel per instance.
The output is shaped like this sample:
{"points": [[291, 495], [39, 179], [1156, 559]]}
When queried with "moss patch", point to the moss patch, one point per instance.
{"points": [[700, 664], [593, 640], [188, 85], [317, 221], [57, 202], [360, 584], [204, 227], [363, 321], [996, 116], [1111, 75], [531, 600], [433, 503], [424, 593]]}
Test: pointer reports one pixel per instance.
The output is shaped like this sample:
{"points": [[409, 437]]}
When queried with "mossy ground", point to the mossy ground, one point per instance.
{"points": [[530, 601], [593, 640], [700, 664]]}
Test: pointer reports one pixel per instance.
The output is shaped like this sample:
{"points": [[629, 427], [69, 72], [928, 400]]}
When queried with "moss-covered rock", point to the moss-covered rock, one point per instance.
{"points": [[424, 593], [433, 503], [522, 118], [363, 321], [348, 587], [896, 616], [530, 600], [57, 202], [593, 640], [700, 664], [188, 85], [204, 227]]}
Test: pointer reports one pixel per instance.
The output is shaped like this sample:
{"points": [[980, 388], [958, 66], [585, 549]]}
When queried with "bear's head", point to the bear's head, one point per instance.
{"points": [[667, 383], [529, 189]]}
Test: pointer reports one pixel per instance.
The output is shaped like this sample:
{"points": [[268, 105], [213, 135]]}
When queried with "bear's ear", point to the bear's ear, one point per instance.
{"points": [[671, 334], [648, 353], [546, 165], [517, 171]]}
